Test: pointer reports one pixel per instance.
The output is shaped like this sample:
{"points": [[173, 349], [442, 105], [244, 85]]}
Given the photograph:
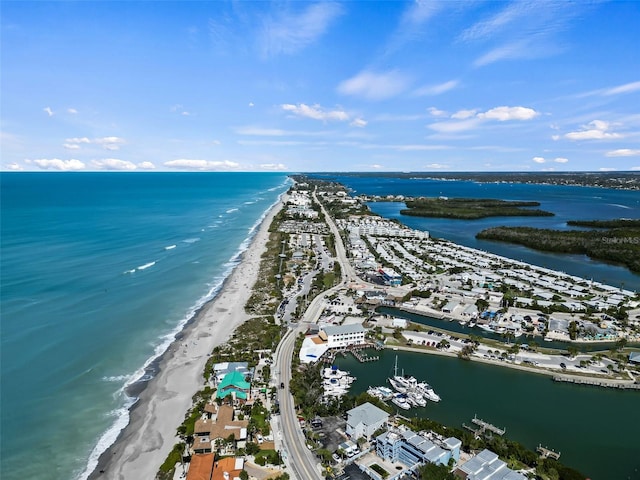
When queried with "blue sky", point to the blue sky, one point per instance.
{"points": [[330, 86]]}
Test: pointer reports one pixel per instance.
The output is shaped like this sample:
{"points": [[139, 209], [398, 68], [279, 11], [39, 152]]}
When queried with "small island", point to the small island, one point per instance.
{"points": [[614, 241], [470, 208]]}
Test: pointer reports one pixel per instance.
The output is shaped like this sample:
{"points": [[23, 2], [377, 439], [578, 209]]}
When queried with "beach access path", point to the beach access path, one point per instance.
{"points": [[145, 442]]}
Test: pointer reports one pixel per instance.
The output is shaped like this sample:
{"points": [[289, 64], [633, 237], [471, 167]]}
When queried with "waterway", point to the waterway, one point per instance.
{"points": [[595, 429], [455, 327], [566, 202]]}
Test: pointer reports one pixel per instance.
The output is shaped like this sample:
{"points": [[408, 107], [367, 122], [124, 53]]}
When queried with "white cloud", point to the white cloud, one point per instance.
{"points": [[251, 104], [469, 119], [538, 159], [437, 89], [617, 90], [626, 88], [555, 137], [57, 164], [560, 160], [293, 32], [261, 132], [188, 164], [436, 112], [623, 152], [376, 166], [358, 122], [635, 168], [48, 111], [454, 127], [607, 169], [503, 114], [114, 164], [462, 114], [109, 143], [15, 167], [375, 86], [72, 111], [146, 166], [595, 130], [436, 166], [315, 112], [273, 166]]}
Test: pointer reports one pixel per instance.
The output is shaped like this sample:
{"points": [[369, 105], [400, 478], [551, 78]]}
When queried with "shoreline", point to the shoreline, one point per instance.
{"points": [[144, 443]]}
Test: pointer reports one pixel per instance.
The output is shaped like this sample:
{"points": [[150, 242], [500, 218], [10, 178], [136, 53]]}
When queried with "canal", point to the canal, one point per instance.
{"points": [[595, 429]]}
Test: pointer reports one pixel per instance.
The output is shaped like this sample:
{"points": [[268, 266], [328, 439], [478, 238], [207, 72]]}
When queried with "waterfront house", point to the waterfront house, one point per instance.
{"points": [[227, 469], [200, 467], [364, 420], [411, 448], [234, 384], [487, 466], [337, 336], [210, 434], [221, 369]]}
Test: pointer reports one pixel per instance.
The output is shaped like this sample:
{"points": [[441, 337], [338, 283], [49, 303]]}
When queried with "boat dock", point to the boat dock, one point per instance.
{"points": [[621, 384], [354, 350], [547, 452], [484, 426]]}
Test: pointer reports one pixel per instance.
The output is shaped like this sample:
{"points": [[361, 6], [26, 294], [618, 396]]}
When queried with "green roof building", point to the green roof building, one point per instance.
{"points": [[233, 383]]}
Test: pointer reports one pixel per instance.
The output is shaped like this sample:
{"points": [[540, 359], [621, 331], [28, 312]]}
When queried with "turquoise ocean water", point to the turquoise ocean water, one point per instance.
{"points": [[99, 272]]}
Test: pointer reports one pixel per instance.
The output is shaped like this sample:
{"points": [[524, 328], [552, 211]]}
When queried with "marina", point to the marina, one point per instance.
{"points": [[533, 411]]}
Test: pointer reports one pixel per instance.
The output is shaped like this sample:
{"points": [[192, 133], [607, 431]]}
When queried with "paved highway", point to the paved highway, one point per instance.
{"points": [[300, 459]]}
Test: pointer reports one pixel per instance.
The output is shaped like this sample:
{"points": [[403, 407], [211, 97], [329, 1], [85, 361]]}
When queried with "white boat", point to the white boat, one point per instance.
{"points": [[401, 401], [417, 399], [382, 393], [427, 391]]}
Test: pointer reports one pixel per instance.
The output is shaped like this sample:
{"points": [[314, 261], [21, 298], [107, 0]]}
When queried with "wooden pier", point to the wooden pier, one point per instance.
{"points": [[547, 452], [483, 427], [621, 384]]}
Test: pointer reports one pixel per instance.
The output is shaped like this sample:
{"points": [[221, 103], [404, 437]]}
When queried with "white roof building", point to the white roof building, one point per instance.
{"points": [[364, 420]]}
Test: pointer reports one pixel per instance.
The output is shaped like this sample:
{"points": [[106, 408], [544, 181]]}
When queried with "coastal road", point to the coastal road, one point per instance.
{"points": [[298, 456], [348, 272]]}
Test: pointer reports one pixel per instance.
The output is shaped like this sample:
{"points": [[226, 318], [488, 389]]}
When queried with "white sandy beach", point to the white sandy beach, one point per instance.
{"points": [[145, 443]]}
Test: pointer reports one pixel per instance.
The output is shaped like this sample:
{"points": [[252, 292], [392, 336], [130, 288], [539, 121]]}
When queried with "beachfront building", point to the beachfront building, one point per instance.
{"points": [[364, 420], [234, 384], [390, 276], [223, 432], [487, 466], [412, 448], [221, 369], [204, 467]]}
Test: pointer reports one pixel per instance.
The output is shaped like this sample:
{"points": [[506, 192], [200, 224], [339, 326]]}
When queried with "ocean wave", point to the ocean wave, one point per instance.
{"points": [[142, 374], [133, 270], [146, 265], [170, 247], [116, 378], [231, 210], [108, 437], [618, 205], [191, 240]]}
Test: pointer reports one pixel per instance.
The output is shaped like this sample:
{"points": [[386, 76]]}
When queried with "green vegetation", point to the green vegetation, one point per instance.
{"points": [[470, 208], [436, 472], [175, 456], [379, 470], [617, 223], [620, 245]]}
